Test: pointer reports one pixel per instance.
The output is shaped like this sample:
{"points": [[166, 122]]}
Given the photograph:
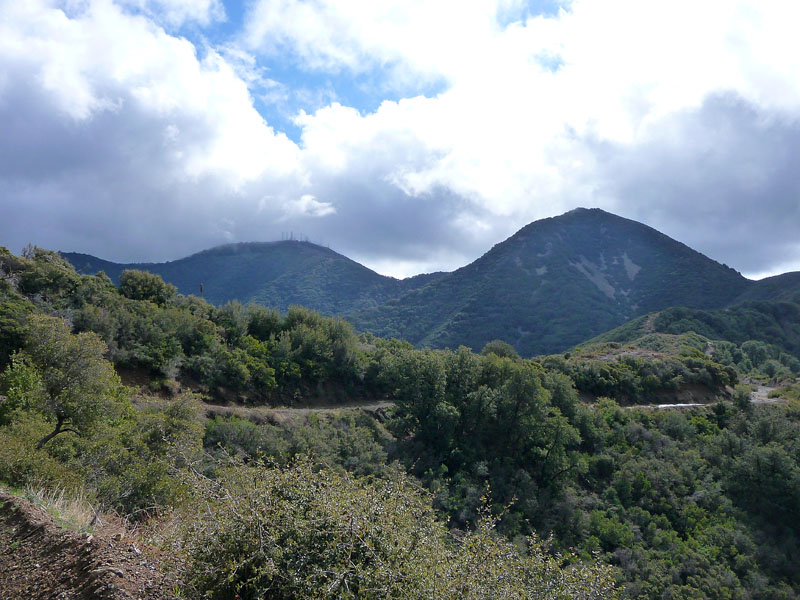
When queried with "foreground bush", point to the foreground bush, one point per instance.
{"points": [[271, 532], [23, 465]]}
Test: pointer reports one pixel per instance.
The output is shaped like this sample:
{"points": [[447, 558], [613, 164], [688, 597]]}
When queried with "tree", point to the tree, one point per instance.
{"points": [[63, 376], [501, 349], [141, 285], [12, 326]]}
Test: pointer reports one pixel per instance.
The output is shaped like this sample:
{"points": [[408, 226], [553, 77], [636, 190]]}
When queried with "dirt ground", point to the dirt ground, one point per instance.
{"points": [[41, 561], [291, 416], [761, 395]]}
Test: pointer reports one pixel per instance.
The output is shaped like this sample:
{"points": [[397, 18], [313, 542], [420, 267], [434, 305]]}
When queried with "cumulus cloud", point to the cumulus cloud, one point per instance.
{"points": [[413, 38], [721, 178], [531, 107], [104, 61], [124, 139], [120, 133]]}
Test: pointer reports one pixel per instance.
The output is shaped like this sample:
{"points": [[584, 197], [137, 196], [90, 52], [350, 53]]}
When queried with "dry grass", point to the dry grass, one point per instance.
{"points": [[73, 510], [69, 508]]}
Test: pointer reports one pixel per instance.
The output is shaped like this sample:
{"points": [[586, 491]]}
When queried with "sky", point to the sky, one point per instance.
{"points": [[409, 135]]}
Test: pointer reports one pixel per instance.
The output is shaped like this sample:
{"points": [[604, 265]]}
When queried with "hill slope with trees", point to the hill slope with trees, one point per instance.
{"points": [[275, 274], [553, 284], [448, 493], [754, 335], [556, 283]]}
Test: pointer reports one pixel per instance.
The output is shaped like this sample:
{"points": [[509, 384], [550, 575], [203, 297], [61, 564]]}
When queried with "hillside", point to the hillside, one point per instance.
{"points": [[39, 559], [553, 284], [767, 330], [275, 274], [784, 288], [656, 503]]}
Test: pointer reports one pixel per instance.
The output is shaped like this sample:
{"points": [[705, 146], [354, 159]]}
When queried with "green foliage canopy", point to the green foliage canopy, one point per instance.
{"points": [[297, 532], [64, 377], [141, 285]]}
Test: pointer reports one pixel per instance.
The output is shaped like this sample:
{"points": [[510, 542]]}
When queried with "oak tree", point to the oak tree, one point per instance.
{"points": [[63, 376]]}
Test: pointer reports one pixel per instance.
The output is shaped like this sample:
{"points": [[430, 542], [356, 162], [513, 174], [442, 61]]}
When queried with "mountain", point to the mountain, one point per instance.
{"points": [[553, 284], [276, 274]]}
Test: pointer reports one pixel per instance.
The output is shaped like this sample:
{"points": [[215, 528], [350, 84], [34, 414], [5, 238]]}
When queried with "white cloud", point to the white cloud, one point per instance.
{"points": [[414, 38], [104, 60], [509, 134], [308, 206], [119, 139]]}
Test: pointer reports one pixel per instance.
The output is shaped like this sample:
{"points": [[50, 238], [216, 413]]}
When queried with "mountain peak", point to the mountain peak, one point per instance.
{"points": [[584, 210], [238, 247], [554, 283], [546, 286], [276, 274]]}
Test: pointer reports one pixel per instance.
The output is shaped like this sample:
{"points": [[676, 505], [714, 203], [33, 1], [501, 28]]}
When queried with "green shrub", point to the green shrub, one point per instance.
{"points": [[21, 464], [141, 285], [246, 439], [135, 467], [293, 532]]}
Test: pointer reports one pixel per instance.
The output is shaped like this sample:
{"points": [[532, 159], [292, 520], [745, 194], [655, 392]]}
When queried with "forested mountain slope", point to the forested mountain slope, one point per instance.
{"points": [[275, 274], [553, 284], [696, 504], [785, 287], [767, 332]]}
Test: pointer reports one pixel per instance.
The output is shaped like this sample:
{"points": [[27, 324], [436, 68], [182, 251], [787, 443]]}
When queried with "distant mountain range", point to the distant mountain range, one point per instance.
{"points": [[553, 284]]}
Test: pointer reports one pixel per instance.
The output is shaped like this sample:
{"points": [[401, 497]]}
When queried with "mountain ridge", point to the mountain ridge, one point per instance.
{"points": [[581, 272], [266, 273], [555, 283]]}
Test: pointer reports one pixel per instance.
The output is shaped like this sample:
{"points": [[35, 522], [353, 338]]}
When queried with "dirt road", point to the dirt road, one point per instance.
{"points": [[288, 415], [758, 396]]}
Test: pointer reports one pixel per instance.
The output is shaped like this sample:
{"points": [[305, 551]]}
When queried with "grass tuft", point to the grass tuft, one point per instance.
{"points": [[70, 509]]}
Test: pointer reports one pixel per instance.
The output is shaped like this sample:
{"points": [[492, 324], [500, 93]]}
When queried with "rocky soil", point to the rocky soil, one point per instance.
{"points": [[41, 561]]}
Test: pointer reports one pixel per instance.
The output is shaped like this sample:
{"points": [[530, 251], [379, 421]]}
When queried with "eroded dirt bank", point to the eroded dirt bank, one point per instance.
{"points": [[41, 561]]}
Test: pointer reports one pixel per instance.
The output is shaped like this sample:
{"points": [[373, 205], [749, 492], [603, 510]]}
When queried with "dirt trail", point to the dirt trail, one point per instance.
{"points": [[41, 561], [648, 325], [759, 396], [263, 414]]}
